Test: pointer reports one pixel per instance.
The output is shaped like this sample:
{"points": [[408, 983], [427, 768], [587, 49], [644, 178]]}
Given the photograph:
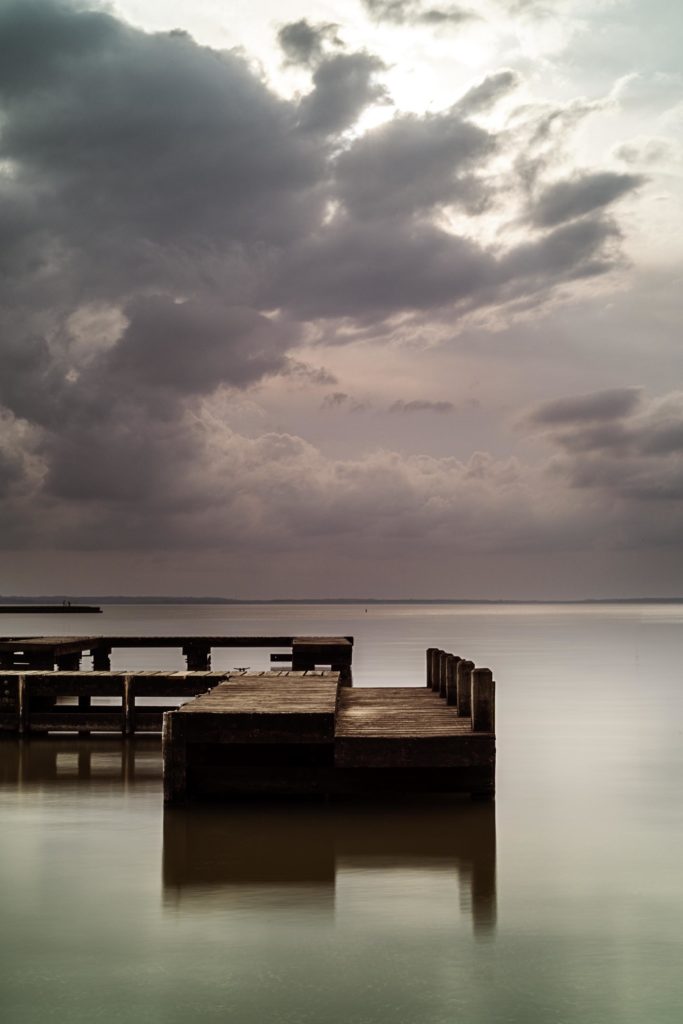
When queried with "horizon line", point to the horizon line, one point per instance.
{"points": [[204, 599]]}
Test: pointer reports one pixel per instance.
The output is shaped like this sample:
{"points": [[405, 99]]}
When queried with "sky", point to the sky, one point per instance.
{"points": [[365, 298]]}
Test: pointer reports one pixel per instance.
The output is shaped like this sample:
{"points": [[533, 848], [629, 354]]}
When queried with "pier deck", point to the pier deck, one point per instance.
{"points": [[304, 734]]}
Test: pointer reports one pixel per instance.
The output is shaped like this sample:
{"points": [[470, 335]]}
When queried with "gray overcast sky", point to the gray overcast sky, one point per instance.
{"points": [[368, 298]]}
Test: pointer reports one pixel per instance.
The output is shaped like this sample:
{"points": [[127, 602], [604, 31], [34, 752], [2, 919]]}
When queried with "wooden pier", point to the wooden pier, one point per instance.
{"points": [[43, 690], [298, 734], [299, 730], [66, 652]]}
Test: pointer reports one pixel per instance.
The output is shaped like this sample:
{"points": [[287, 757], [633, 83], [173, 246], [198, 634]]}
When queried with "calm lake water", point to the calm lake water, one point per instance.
{"points": [[561, 903]]}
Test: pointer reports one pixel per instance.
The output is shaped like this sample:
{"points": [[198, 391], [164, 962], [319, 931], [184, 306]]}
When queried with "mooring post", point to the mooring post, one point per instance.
{"points": [[483, 701], [430, 662], [436, 668], [432, 655], [463, 685], [451, 681]]}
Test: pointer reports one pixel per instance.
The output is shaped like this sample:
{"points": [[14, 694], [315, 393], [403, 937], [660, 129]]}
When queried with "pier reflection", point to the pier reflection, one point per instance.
{"points": [[294, 852], [69, 761], [318, 857]]}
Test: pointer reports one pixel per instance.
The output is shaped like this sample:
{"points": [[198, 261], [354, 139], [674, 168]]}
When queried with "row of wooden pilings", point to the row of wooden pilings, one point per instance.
{"points": [[471, 690]]}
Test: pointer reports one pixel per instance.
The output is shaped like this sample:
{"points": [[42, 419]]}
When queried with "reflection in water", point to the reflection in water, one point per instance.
{"points": [[284, 853], [294, 851], [68, 760]]}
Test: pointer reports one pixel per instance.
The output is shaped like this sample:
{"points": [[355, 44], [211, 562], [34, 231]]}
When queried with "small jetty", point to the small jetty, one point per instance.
{"points": [[301, 729]]}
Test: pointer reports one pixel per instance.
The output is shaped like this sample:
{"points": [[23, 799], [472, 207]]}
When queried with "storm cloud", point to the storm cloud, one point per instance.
{"points": [[567, 200], [617, 443], [175, 235]]}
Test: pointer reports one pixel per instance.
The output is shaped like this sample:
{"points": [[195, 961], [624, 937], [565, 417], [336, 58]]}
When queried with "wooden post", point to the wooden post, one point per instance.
{"points": [[451, 681], [23, 705], [436, 668], [174, 757], [84, 702], [463, 685], [198, 657], [101, 659], [128, 705], [483, 701], [430, 657], [443, 672]]}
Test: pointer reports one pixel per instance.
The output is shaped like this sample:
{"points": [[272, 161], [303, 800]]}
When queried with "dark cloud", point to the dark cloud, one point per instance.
{"points": [[415, 12], [610, 404], [192, 347], [571, 251], [377, 269], [342, 87], [567, 200], [613, 442], [412, 164], [304, 43], [421, 405], [163, 188]]}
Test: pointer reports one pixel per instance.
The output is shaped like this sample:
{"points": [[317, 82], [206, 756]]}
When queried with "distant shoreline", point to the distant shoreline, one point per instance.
{"points": [[40, 608], [57, 600]]}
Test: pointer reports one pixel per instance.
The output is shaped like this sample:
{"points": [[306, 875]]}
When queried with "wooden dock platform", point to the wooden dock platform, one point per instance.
{"points": [[300, 730], [299, 734]]}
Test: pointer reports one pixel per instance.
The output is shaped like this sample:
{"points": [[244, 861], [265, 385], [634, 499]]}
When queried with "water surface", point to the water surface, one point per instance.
{"points": [[560, 902]]}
